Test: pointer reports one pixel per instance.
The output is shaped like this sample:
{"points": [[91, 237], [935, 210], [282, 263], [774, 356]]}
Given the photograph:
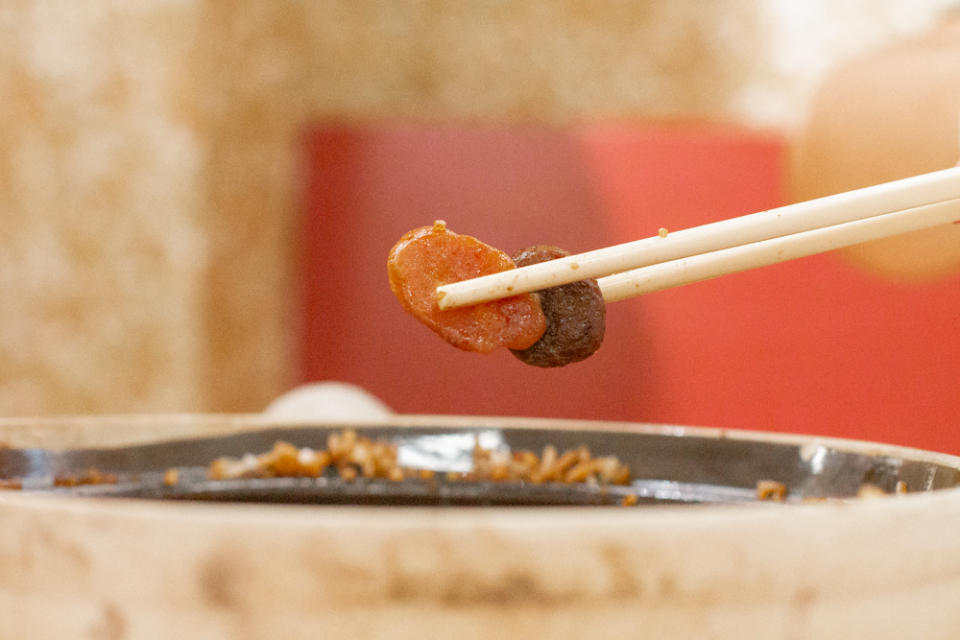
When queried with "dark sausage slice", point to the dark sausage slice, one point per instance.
{"points": [[428, 257], [576, 316]]}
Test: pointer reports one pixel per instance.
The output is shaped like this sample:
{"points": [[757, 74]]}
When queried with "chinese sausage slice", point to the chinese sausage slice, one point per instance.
{"points": [[576, 316], [428, 257]]}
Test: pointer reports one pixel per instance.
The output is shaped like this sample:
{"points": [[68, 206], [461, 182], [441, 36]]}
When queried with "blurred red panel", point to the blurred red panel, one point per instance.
{"points": [[810, 346]]}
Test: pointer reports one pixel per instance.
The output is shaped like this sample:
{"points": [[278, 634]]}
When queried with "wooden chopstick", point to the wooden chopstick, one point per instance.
{"points": [[713, 264], [897, 206]]}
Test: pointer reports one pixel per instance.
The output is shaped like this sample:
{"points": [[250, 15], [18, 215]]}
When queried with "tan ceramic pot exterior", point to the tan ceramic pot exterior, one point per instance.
{"points": [[72, 568]]}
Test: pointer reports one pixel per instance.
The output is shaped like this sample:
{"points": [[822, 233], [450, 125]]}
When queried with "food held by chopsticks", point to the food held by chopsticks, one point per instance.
{"points": [[576, 316], [547, 329], [429, 256]]}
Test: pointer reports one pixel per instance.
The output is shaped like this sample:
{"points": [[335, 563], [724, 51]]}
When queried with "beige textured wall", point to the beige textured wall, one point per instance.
{"points": [[100, 203], [148, 177]]}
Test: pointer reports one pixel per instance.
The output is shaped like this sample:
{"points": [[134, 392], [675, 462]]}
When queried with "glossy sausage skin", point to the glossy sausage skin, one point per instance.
{"points": [[575, 312]]}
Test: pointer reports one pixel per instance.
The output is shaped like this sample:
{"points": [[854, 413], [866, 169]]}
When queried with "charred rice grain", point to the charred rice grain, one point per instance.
{"points": [[771, 490]]}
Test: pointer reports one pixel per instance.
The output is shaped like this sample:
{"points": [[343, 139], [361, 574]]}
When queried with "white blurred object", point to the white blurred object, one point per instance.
{"points": [[329, 401]]}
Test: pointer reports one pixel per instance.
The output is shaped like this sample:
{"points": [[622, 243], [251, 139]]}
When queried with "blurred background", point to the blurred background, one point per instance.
{"points": [[197, 199]]}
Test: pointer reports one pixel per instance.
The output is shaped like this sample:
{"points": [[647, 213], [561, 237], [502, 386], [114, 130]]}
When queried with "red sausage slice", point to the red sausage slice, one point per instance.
{"points": [[428, 257]]}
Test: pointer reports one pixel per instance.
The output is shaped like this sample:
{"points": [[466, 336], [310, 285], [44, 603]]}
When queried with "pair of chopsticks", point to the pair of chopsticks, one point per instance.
{"points": [[729, 246]]}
